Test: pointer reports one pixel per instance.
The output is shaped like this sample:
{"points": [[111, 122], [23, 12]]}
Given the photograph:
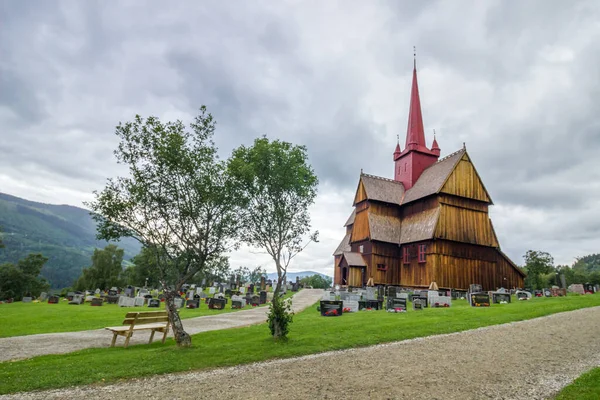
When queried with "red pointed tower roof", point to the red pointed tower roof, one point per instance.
{"points": [[415, 134]]}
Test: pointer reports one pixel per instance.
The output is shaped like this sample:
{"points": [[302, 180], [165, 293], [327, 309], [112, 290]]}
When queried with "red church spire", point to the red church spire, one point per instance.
{"points": [[415, 134], [435, 147]]}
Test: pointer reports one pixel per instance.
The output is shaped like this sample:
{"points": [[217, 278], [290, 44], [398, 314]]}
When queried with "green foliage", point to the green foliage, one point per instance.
{"points": [[586, 387], [537, 263], [587, 264], [248, 275], [64, 234], [22, 279], [310, 334], [177, 200], [317, 281], [1, 243], [280, 317], [105, 272], [277, 185]]}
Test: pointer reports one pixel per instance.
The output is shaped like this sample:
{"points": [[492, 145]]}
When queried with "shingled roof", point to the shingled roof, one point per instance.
{"points": [[382, 189], [433, 178], [384, 228], [354, 259], [344, 246], [350, 220], [420, 226]]}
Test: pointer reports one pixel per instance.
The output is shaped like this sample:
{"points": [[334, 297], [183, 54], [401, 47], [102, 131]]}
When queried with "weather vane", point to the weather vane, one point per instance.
{"points": [[415, 55]]}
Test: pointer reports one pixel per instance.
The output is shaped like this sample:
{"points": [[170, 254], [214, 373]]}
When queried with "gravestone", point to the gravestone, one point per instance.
{"points": [[547, 293], [538, 293], [192, 304], [418, 303], [475, 288], [402, 296], [498, 298], [263, 297], [189, 294], [588, 288], [228, 292], [97, 291], [251, 288], [153, 303], [43, 296], [576, 288], [558, 292], [295, 287], [263, 283], [392, 291], [269, 296], [331, 308], [523, 295], [53, 299], [212, 290], [394, 303], [371, 293], [178, 301], [77, 299], [370, 304], [350, 305], [27, 299], [238, 304], [139, 301], [112, 292], [242, 290], [255, 300], [480, 299], [439, 301], [125, 301], [129, 292], [96, 302], [216, 304], [112, 299], [89, 298], [70, 295]]}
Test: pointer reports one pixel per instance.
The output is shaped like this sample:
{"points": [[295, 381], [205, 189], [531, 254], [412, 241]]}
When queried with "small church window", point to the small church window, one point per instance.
{"points": [[361, 248], [381, 267], [422, 248], [405, 257]]}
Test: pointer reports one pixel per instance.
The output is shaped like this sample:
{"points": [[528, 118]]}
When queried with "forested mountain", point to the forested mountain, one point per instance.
{"points": [[588, 264], [64, 234]]}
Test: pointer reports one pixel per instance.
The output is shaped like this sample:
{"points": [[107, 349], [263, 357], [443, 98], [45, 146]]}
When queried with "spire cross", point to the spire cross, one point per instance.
{"points": [[398, 138], [415, 56]]}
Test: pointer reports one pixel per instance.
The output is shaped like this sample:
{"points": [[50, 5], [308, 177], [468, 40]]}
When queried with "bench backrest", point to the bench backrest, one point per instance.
{"points": [[146, 317]]}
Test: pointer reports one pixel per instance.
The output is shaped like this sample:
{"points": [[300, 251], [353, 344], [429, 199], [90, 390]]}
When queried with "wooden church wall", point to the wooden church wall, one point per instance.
{"points": [[336, 270], [465, 225], [360, 229], [463, 202], [464, 181], [387, 254], [415, 273]]}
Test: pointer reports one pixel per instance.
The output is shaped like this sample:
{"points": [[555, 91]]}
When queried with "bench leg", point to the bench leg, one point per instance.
{"points": [[165, 335], [127, 340], [112, 344], [151, 336]]}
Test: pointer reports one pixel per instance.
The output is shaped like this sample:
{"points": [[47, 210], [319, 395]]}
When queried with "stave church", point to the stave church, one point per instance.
{"points": [[428, 224]]}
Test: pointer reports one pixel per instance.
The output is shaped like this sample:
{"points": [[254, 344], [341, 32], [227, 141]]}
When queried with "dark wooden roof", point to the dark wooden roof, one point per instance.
{"points": [[384, 228], [354, 259], [433, 178], [344, 246], [382, 189], [350, 219], [420, 226]]}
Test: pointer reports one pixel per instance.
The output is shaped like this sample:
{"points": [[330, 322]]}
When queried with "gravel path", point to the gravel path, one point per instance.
{"points": [[20, 347], [524, 360]]}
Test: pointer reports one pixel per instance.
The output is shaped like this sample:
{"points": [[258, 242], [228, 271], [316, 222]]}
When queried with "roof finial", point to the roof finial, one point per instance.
{"points": [[361, 171], [398, 138], [464, 146], [415, 56], [434, 133]]}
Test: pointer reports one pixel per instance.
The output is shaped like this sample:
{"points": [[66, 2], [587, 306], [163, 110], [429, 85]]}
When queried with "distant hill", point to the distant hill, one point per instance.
{"points": [[291, 276], [64, 234]]}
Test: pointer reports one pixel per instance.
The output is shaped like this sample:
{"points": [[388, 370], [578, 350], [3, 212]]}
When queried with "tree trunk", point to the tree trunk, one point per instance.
{"points": [[277, 323], [181, 337]]}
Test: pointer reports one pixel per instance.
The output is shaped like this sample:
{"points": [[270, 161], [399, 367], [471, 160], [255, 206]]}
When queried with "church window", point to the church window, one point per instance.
{"points": [[405, 257], [422, 248], [381, 267], [361, 248]]}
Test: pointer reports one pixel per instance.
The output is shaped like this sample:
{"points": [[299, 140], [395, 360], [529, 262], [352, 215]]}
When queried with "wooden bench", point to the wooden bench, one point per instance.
{"points": [[155, 321]]}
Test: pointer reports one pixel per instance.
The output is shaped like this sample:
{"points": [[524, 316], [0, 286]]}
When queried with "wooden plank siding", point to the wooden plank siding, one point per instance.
{"points": [[463, 202], [465, 225], [361, 193], [465, 182], [386, 254], [360, 229], [416, 274]]}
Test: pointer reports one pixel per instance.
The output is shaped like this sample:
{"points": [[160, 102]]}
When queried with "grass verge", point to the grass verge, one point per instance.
{"points": [[309, 334], [19, 319], [586, 387]]}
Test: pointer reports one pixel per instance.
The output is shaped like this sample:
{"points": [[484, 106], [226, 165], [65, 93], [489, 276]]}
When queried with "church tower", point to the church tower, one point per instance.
{"points": [[416, 157]]}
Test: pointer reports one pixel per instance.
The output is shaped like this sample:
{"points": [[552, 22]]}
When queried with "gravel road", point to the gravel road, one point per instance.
{"points": [[20, 347], [523, 360]]}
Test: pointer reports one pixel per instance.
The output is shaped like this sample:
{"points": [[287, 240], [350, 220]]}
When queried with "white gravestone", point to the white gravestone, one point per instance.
{"points": [[125, 301]]}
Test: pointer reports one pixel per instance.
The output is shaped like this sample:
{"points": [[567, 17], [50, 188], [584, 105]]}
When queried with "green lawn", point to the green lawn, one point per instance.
{"points": [[586, 387], [310, 333], [18, 319]]}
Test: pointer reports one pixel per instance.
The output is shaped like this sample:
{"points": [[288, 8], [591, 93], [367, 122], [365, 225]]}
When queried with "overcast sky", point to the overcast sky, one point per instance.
{"points": [[519, 82]]}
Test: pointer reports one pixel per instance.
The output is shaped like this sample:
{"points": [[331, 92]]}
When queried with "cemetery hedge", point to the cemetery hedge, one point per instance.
{"points": [[586, 387], [310, 333]]}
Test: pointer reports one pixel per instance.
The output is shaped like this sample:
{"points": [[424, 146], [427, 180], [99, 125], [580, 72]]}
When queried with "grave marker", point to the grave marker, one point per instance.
{"points": [[522, 295], [216, 304], [394, 303], [53, 299], [153, 303], [418, 303], [96, 302], [43, 296], [498, 298], [192, 304], [27, 299], [263, 297], [479, 299], [331, 308]]}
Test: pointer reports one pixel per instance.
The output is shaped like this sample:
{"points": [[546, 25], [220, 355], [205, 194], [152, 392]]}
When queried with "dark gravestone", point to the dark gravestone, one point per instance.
{"points": [[228, 293], [480, 299], [497, 298], [251, 288], [112, 299], [394, 303], [153, 303], [392, 290], [53, 299], [547, 293], [295, 287], [331, 308], [522, 296], [419, 303], [588, 288], [538, 293], [263, 283], [372, 304], [263, 297], [192, 304], [236, 304], [97, 301], [475, 288], [255, 301], [216, 304], [112, 292]]}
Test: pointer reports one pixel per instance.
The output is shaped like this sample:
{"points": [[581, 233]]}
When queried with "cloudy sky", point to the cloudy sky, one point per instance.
{"points": [[519, 82]]}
